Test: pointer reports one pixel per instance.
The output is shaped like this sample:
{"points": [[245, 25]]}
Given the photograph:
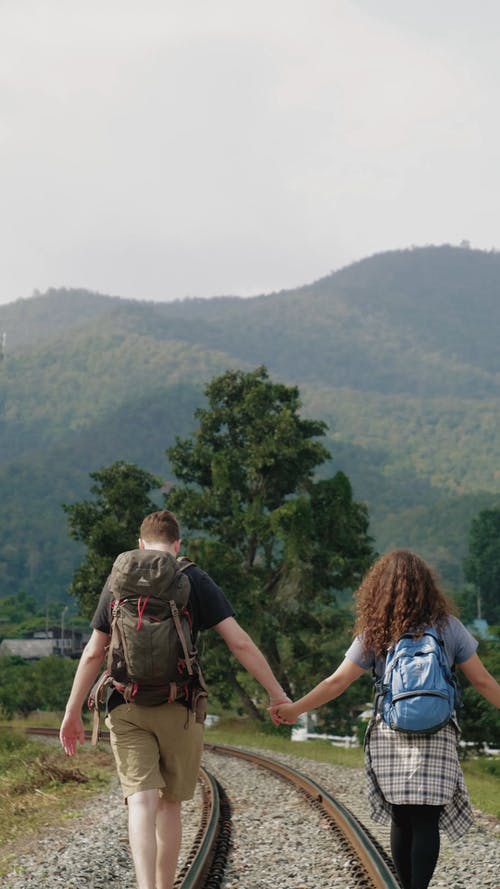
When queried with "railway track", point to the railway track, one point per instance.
{"points": [[205, 864]]}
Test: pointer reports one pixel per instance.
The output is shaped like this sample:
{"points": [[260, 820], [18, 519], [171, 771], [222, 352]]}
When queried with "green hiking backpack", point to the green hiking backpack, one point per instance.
{"points": [[151, 655]]}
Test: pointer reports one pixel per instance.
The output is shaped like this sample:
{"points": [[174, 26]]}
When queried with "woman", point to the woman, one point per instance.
{"points": [[414, 780]]}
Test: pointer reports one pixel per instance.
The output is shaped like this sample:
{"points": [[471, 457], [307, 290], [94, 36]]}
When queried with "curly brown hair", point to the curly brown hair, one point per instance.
{"points": [[400, 593]]}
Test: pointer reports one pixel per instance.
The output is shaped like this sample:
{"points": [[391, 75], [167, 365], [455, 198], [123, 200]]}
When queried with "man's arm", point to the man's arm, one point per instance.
{"points": [[85, 676], [250, 657]]}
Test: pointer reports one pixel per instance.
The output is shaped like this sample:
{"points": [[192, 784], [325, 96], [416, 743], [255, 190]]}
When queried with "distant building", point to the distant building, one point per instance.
{"points": [[29, 649], [480, 628], [43, 643]]}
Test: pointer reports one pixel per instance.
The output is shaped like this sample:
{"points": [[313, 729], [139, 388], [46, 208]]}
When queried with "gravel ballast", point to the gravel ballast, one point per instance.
{"points": [[278, 840]]}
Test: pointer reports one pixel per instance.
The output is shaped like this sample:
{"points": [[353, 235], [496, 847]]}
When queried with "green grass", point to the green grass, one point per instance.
{"points": [[45, 718], [243, 733], [482, 774], [41, 787]]}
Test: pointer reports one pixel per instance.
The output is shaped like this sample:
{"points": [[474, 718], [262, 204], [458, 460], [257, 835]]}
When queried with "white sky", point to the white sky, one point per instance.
{"points": [[160, 149]]}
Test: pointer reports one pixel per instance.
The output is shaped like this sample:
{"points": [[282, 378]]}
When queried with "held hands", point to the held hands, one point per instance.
{"points": [[274, 704], [283, 711], [287, 713]]}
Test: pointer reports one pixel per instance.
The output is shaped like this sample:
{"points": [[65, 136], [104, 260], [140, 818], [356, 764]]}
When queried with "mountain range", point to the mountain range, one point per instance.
{"points": [[398, 353]]}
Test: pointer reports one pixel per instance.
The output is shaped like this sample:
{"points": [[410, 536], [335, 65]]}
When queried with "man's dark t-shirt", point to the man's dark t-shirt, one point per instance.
{"points": [[207, 604]]}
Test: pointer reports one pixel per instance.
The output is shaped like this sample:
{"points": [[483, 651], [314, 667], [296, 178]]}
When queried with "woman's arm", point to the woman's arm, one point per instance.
{"points": [[483, 682], [327, 690]]}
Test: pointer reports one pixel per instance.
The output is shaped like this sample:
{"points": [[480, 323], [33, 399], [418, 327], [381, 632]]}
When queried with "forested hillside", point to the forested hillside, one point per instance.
{"points": [[398, 353]]}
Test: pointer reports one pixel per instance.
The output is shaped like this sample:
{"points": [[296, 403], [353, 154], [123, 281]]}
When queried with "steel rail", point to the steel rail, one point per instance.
{"points": [[45, 732], [209, 848], [195, 875], [195, 872], [364, 849]]}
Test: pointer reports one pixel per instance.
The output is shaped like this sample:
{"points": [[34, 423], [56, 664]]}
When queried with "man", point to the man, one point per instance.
{"points": [[158, 749]]}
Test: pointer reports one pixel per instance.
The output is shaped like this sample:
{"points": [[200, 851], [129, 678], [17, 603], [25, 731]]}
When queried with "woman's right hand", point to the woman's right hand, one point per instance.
{"points": [[288, 713]]}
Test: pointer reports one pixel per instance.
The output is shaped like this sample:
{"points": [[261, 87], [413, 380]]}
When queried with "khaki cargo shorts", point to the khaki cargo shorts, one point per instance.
{"points": [[156, 747]]}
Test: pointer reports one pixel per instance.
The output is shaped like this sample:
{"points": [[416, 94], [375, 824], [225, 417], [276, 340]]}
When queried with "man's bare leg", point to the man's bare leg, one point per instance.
{"points": [[168, 842], [142, 811]]}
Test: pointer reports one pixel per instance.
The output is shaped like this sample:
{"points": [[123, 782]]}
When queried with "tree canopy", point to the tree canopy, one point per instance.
{"points": [[108, 525], [482, 566], [280, 542]]}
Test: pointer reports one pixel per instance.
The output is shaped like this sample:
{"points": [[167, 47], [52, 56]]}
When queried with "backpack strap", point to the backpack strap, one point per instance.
{"points": [[183, 562], [97, 697], [378, 691], [180, 633], [431, 631], [451, 672]]}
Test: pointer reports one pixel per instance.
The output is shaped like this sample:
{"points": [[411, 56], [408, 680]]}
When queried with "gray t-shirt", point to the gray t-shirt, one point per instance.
{"points": [[459, 646]]}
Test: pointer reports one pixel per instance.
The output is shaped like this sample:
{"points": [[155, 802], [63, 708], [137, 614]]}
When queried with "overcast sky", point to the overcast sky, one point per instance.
{"points": [[160, 149]]}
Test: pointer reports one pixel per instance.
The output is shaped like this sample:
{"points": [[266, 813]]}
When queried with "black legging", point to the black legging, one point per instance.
{"points": [[415, 843]]}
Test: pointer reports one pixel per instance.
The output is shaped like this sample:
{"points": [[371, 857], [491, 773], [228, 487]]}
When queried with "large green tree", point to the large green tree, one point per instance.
{"points": [[479, 721], [482, 566], [108, 525], [279, 540], [34, 685]]}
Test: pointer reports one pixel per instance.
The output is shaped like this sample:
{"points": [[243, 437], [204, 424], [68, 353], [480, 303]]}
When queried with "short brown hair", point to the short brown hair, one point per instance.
{"points": [[161, 525]]}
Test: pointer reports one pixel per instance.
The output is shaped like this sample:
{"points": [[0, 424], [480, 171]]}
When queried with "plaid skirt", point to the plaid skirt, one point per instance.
{"points": [[409, 769]]}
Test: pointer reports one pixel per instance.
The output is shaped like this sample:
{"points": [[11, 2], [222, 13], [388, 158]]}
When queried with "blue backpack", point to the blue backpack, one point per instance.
{"points": [[418, 692]]}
